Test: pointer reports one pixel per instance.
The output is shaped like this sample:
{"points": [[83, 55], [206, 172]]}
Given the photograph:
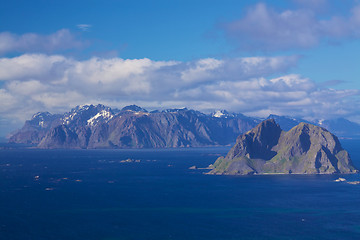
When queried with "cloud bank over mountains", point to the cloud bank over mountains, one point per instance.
{"points": [[38, 82]]}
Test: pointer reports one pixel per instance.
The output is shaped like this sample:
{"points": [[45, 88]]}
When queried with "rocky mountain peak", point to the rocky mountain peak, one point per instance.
{"points": [[85, 113], [305, 149], [265, 131], [41, 115], [134, 108], [258, 142], [221, 114], [226, 114], [286, 122]]}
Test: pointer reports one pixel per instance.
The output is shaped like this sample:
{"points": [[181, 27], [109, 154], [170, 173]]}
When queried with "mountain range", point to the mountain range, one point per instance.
{"points": [[99, 126], [339, 126]]}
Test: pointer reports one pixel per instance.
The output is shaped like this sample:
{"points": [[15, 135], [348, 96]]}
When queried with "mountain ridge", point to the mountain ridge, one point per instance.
{"points": [[99, 126]]}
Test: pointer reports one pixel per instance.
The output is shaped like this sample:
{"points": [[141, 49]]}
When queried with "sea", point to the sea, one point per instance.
{"points": [[152, 194]]}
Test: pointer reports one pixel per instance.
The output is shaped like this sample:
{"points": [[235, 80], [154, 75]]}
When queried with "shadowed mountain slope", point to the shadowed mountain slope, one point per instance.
{"points": [[99, 126], [267, 149]]}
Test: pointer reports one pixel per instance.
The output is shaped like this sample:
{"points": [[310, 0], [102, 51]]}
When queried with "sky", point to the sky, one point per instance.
{"points": [[288, 57]]}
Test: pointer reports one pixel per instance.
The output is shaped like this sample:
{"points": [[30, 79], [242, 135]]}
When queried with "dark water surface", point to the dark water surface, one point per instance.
{"points": [[91, 194]]}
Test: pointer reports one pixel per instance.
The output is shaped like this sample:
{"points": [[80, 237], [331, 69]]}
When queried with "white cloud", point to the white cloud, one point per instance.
{"points": [[263, 28], [36, 66], [26, 88], [7, 100], [37, 82], [51, 100], [201, 70], [31, 42], [293, 81]]}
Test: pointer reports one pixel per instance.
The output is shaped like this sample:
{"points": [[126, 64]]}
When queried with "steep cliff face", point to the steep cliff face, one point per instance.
{"points": [[304, 149], [60, 136], [36, 128], [99, 126]]}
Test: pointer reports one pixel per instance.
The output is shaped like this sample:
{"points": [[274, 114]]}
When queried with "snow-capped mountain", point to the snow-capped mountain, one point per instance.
{"points": [[42, 120], [87, 115], [221, 114], [226, 114], [98, 126]]}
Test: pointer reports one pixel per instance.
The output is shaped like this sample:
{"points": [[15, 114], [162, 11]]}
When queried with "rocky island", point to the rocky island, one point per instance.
{"points": [[267, 149]]}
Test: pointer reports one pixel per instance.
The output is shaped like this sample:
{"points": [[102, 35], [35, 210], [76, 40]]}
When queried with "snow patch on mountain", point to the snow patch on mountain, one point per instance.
{"points": [[67, 119], [222, 114], [218, 114], [104, 114]]}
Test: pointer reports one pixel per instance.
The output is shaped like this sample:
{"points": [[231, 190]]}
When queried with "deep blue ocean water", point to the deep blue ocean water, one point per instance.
{"points": [[92, 194]]}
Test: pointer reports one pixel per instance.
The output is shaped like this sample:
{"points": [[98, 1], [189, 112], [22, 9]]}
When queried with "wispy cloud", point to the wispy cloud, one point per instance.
{"points": [[331, 83], [264, 28], [84, 27], [32, 42]]}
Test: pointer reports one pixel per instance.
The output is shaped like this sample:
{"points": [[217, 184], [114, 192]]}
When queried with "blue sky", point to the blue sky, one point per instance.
{"points": [[293, 57]]}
